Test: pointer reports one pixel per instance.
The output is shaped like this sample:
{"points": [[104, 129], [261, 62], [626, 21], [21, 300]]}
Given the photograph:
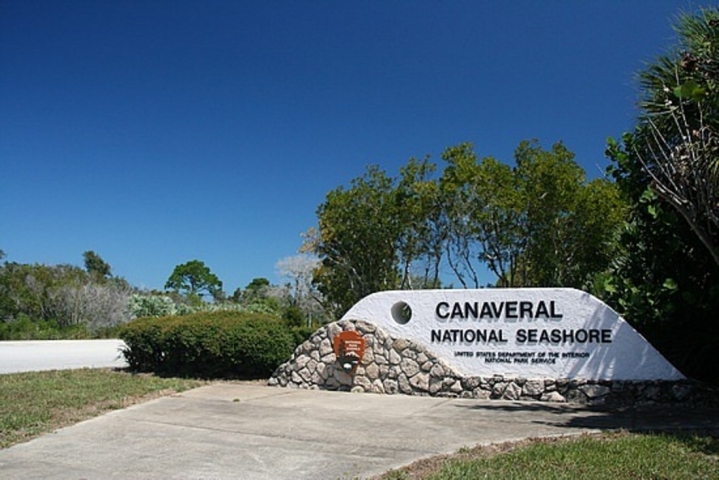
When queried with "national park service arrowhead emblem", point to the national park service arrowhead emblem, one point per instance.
{"points": [[349, 348]]}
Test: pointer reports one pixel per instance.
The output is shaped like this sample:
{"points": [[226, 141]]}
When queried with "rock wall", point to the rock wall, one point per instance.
{"points": [[397, 365]]}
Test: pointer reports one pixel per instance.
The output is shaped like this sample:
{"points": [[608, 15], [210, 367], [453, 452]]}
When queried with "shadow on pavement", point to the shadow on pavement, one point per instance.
{"points": [[640, 418]]}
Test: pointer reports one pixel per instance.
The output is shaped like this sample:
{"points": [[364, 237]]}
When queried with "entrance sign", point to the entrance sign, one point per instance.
{"points": [[533, 332], [349, 349]]}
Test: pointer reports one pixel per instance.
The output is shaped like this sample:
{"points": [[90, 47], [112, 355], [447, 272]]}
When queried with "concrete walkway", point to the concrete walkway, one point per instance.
{"points": [[230, 431]]}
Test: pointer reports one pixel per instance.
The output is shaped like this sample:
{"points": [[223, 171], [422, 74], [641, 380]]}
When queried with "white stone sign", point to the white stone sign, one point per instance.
{"points": [[533, 332]]}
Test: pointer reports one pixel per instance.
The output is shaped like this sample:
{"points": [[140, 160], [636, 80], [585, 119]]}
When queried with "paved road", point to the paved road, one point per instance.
{"points": [[59, 354], [239, 431]]}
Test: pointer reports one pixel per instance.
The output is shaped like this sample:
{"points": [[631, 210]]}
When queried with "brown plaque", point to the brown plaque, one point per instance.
{"points": [[349, 348]]}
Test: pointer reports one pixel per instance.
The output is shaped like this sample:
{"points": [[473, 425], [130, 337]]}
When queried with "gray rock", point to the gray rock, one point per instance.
{"points": [[342, 377], [512, 392], [533, 387], [456, 387], [363, 382], [325, 347], [594, 390], [333, 329], [438, 371], [305, 374], [347, 325], [403, 383], [652, 394], [394, 357], [481, 394], [322, 370], [365, 327], [498, 389], [435, 385], [553, 396], [682, 392], [377, 386], [470, 383], [420, 381], [372, 371], [409, 353], [390, 386], [409, 367]]}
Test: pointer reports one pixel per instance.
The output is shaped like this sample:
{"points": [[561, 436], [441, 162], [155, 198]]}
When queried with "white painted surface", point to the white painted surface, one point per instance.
{"points": [[628, 356], [28, 356]]}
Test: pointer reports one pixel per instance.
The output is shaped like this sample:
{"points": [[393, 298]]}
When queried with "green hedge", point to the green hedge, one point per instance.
{"points": [[209, 345]]}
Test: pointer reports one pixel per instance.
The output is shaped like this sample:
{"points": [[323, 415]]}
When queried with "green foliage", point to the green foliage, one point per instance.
{"points": [[257, 284], [143, 305], [24, 328], [96, 266], [63, 294], [537, 224], [194, 279], [215, 345], [677, 134], [662, 280], [665, 278], [676, 456], [359, 230]]}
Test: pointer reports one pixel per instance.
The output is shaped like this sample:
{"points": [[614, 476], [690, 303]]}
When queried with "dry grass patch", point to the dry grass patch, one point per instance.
{"points": [[34, 403]]}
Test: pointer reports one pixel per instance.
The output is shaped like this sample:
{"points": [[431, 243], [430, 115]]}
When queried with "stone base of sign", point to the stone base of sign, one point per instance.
{"points": [[397, 365]]}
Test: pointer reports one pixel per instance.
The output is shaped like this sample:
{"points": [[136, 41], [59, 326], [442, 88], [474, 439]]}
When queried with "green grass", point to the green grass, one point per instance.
{"points": [[39, 402], [619, 455]]}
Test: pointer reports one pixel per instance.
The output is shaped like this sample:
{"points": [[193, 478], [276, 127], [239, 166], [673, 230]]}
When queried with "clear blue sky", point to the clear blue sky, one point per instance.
{"points": [[160, 131]]}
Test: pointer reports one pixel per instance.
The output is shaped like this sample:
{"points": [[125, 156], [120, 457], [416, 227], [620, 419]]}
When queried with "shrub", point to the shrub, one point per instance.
{"points": [[25, 328], [151, 306], [210, 345]]}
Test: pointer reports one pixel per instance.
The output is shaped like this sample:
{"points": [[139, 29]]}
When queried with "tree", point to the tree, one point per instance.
{"points": [[96, 266], [194, 278], [571, 224], [483, 214], [665, 279], [422, 225], [357, 240], [538, 224], [300, 269], [65, 295], [677, 136]]}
